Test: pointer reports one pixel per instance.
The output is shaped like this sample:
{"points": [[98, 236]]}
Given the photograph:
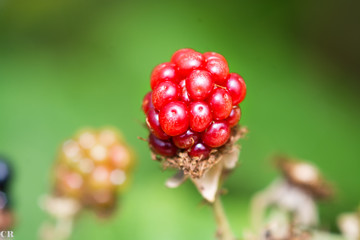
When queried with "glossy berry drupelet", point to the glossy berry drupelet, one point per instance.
{"points": [[213, 55], [199, 150], [218, 69], [153, 123], [200, 116], [164, 72], [221, 103], [188, 61], [162, 147], [217, 134], [164, 93], [234, 116], [174, 118], [236, 86], [184, 95], [193, 104], [199, 85], [186, 140], [147, 103]]}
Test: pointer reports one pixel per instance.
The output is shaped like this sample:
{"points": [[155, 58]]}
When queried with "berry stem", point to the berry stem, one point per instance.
{"points": [[223, 227]]}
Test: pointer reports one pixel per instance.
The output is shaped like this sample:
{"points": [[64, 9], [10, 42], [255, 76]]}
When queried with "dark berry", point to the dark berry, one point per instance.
{"points": [[200, 116], [218, 69], [164, 72], [236, 86], [164, 93], [217, 134], [174, 118], [162, 147], [5, 175], [153, 123], [220, 103], [186, 140], [189, 61], [234, 116], [199, 85], [147, 103], [199, 150]]}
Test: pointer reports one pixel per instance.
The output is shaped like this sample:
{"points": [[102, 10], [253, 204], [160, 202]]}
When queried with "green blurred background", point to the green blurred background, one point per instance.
{"points": [[69, 64]]}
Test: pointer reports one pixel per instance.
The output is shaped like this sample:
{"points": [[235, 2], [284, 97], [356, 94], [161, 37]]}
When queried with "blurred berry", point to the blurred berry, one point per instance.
{"points": [[92, 168]]}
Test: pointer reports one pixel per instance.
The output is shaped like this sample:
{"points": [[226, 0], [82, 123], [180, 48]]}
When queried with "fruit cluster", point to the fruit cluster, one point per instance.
{"points": [[92, 168], [193, 104]]}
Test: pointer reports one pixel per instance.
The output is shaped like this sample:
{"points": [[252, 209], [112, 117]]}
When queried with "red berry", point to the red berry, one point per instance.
{"points": [[147, 103], [162, 147], [200, 116], [186, 140], [153, 123], [212, 55], [163, 72], [174, 118], [219, 70], [184, 95], [188, 61], [217, 134], [175, 57], [164, 93], [236, 87], [199, 150], [234, 116], [220, 103], [199, 85]]}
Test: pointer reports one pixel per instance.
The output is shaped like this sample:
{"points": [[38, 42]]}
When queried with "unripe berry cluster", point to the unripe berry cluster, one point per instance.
{"points": [[193, 104], [92, 167]]}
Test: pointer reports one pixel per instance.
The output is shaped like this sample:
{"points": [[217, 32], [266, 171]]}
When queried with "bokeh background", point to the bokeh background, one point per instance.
{"points": [[70, 64]]}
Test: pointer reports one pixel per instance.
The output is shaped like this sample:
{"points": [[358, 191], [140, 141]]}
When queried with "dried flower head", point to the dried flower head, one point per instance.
{"points": [[304, 175]]}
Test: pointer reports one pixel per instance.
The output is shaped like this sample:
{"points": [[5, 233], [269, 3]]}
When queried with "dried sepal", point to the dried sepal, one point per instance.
{"points": [[305, 176], [208, 184], [176, 180], [196, 167]]}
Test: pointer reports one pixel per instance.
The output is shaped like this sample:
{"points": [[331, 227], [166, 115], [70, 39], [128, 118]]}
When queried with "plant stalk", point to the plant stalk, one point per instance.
{"points": [[223, 227]]}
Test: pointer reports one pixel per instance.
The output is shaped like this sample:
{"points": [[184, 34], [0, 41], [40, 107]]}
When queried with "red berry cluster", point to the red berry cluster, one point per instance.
{"points": [[193, 103]]}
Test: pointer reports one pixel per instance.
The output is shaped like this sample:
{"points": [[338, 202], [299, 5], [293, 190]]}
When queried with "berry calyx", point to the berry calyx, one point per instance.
{"points": [[236, 87], [234, 117], [217, 134], [162, 147], [199, 150], [174, 118], [153, 123], [199, 85], [164, 72], [220, 103], [200, 116], [186, 140], [164, 93]]}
